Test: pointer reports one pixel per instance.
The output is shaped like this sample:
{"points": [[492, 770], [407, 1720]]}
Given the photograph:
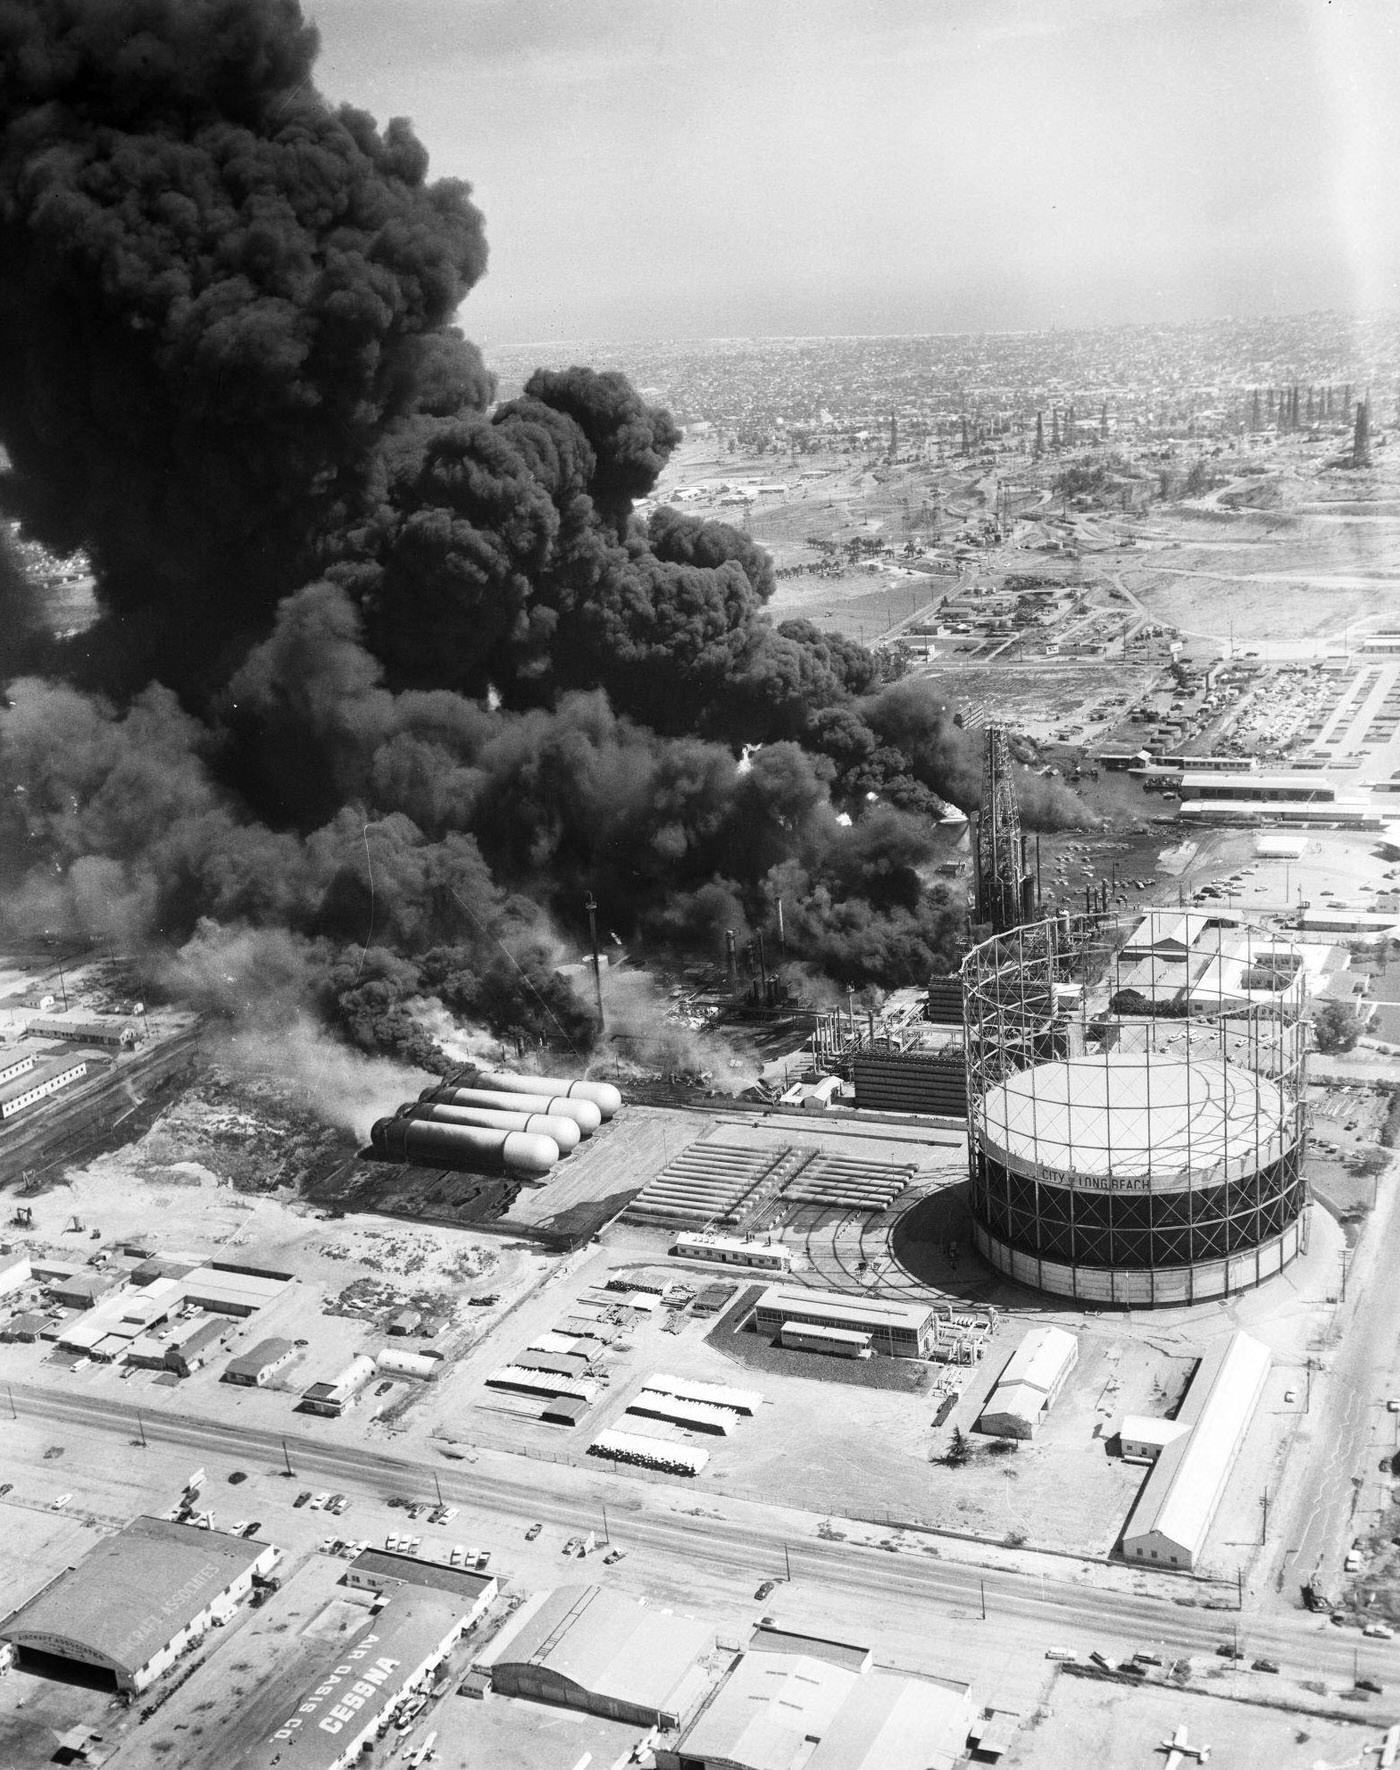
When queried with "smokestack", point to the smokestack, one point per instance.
{"points": [[782, 931], [731, 955]]}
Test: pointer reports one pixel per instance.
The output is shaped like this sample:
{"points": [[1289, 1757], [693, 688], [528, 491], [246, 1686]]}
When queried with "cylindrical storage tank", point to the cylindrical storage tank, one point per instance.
{"points": [[1136, 1116], [565, 1132], [583, 1112], [603, 1095], [464, 1146]]}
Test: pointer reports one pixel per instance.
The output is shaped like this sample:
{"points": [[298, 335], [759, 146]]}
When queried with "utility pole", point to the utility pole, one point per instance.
{"points": [[983, 1584], [787, 1563], [591, 905], [287, 1468], [1264, 1503], [141, 1428], [606, 1537], [438, 1487]]}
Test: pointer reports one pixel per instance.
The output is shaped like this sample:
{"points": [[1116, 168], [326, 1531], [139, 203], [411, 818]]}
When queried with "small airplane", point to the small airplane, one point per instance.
{"points": [[1177, 1749]]}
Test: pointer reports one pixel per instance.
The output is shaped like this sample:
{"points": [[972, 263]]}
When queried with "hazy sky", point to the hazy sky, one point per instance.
{"points": [[660, 168]]}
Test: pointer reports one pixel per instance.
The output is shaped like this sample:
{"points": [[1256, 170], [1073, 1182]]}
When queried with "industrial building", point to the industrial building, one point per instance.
{"points": [[1027, 1389], [1136, 1119], [136, 1600], [333, 1395], [731, 1250], [356, 1681], [1179, 1499], [780, 1707], [899, 1330], [384, 1570], [259, 1364], [588, 1648], [1258, 798], [37, 1082], [115, 1033]]}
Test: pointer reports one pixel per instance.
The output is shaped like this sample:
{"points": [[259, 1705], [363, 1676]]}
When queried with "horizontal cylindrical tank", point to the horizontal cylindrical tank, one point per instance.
{"points": [[565, 1132], [603, 1095], [583, 1112], [463, 1146]]}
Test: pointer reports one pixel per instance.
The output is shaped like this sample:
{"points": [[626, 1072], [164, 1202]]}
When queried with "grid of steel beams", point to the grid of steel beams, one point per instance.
{"points": [[1216, 1011]]}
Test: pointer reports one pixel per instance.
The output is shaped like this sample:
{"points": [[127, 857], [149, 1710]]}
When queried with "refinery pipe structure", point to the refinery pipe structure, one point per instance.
{"points": [[583, 1112], [565, 1132], [603, 1095], [519, 1153]]}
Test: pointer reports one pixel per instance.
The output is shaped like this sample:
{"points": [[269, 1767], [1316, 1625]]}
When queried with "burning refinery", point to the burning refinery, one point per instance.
{"points": [[385, 676]]}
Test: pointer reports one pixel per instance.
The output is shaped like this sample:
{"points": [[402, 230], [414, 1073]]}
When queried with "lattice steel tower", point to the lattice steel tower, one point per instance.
{"points": [[1005, 890]]}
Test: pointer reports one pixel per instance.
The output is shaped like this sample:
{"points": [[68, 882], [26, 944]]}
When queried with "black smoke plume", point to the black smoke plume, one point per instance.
{"points": [[386, 675]]}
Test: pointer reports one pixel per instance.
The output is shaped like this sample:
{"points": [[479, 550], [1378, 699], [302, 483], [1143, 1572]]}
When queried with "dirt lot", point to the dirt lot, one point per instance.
{"points": [[1114, 1724]]}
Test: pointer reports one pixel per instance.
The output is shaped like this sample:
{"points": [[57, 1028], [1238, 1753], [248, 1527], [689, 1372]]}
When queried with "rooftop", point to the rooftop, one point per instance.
{"points": [[842, 1309], [613, 1645], [131, 1592]]}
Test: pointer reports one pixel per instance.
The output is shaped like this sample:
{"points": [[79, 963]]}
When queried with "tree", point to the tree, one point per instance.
{"points": [[1335, 1027], [959, 1450]]}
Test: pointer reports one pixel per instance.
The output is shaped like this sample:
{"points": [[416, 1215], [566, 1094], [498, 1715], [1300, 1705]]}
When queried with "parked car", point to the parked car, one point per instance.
{"points": [[238, 1476], [533, 1532], [768, 1586], [613, 1555], [319, 1501], [302, 1499], [1371, 1685], [1266, 1665], [1379, 1631]]}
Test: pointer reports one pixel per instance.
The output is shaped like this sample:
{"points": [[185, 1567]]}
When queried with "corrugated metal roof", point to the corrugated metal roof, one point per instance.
{"points": [[1179, 1498], [843, 1310], [611, 1645]]}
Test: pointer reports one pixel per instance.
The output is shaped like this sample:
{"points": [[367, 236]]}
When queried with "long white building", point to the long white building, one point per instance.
{"points": [[1027, 1389], [1180, 1497]]}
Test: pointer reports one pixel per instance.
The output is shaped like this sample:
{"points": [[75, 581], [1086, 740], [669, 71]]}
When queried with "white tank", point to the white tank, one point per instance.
{"points": [[583, 1112], [565, 1132], [603, 1095]]}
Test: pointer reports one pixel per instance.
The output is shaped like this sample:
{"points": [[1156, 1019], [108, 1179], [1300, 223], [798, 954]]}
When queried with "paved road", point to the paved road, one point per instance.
{"points": [[1023, 1612]]}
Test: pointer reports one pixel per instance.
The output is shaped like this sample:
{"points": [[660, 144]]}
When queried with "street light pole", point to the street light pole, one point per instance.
{"points": [[438, 1485]]}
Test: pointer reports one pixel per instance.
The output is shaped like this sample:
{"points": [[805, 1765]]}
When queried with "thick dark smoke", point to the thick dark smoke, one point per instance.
{"points": [[386, 679]]}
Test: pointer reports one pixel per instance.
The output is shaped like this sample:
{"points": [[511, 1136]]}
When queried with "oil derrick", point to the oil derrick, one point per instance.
{"points": [[1005, 890]]}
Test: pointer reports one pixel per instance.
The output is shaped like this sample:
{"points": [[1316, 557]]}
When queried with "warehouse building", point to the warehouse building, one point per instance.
{"points": [[384, 1570], [732, 1250], [587, 1648], [1180, 1497], [779, 1709], [259, 1364], [14, 1064], [899, 1330], [116, 1033], [334, 1395], [1028, 1388], [36, 1084], [136, 1600], [356, 1682]]}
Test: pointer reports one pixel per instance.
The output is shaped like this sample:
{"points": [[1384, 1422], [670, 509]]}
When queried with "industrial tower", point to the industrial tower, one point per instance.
{"points": [[1005, 890]]}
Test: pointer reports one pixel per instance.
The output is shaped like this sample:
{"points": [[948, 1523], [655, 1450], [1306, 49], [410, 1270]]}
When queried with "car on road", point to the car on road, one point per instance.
{"points": [[769, 1585], [1266, 1665], [533, 1532], [302, 1499]]}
